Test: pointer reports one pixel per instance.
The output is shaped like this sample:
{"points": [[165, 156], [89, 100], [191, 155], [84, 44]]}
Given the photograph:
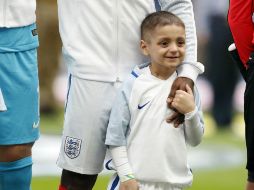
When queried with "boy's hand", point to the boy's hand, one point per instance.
{"points": [[131, 184], [179, 84], [184, 101]]}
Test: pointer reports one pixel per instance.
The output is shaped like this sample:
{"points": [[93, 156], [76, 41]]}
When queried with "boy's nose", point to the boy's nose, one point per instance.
{"points": [[173, 47]]}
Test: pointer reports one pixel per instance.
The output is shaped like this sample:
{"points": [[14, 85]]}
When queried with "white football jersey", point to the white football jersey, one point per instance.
{"points": [[157, 151]]}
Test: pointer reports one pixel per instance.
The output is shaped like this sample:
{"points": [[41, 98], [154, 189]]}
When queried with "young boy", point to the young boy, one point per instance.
{"points": [[148, 152]]}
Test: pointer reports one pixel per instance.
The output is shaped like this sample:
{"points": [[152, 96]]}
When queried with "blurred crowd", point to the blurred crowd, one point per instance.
{"points": [[214, 37], [49, 53]]}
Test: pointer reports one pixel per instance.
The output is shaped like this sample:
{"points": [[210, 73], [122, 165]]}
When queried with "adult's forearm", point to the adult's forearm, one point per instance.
{"points": [[184, 9]]}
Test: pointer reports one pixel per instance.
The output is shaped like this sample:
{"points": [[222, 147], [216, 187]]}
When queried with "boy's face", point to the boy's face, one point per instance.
{"points": [[165, 46]]}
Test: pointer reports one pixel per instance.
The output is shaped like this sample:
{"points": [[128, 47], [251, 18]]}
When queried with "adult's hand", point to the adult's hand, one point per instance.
{"points": [[179, 84]]}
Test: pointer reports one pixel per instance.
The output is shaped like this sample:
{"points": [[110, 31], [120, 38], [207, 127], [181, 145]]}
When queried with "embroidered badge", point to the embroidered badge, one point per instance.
{"points": [[72, 147]]}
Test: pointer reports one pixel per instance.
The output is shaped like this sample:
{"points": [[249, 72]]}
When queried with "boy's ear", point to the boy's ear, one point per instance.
{"points": [[143, 47]]}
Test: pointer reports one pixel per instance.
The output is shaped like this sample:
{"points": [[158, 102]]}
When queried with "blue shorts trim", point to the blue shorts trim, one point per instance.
{"points": [[115, 183]]}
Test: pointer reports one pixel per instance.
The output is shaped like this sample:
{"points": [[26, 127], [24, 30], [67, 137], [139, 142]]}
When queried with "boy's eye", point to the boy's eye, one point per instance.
{"points": [[181, 42], [164, 43]]}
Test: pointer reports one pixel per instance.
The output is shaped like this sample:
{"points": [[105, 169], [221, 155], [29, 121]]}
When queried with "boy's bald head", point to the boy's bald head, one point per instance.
{"points": [[157, 19]]}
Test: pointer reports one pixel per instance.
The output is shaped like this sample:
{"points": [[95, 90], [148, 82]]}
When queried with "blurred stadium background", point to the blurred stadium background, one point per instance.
{"points": [[218, 163]]}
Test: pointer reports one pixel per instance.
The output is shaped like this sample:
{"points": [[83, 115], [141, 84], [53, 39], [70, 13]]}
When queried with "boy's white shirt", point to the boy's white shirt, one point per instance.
{"points": [[156, 150], [17, 13]]}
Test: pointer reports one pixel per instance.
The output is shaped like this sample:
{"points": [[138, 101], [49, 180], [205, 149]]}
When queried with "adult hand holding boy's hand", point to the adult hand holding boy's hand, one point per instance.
{"points": [[179, 84]]}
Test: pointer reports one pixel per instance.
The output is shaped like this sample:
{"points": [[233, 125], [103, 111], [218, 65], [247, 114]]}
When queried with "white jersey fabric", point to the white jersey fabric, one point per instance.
{"points": [[157, 151], [16, 13], [101, 38]]}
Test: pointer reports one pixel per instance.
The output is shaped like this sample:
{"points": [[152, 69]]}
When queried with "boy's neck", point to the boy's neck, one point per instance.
{"points": [[161, 73]]}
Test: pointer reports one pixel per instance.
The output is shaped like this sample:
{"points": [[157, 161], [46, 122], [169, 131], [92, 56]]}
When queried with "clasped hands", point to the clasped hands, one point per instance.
{"points": [[180, 100]]}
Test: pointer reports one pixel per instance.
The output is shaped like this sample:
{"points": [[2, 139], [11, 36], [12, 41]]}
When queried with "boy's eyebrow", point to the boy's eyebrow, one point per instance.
{"points": [[167, 38], [182, 38]]}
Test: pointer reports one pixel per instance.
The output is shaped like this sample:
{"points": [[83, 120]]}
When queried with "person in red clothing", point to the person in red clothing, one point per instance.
{"points": [[241, 23]]}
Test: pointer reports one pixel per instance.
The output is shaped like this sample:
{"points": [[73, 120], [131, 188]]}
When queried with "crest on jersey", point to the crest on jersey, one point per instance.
{"points": [[72, 147]]}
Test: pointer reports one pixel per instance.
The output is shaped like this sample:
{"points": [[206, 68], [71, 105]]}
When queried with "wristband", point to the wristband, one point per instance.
{"points": [[126, 177]]}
